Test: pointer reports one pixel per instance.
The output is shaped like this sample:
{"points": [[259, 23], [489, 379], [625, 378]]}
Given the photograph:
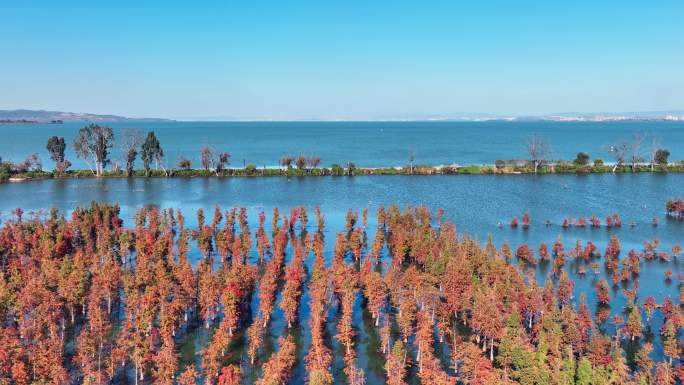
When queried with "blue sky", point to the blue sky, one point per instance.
{"points": [[341, 60]]}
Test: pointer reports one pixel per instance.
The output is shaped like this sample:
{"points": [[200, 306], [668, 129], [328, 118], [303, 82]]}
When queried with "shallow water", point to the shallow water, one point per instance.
{"points": [[369, 144], [476, 204]]}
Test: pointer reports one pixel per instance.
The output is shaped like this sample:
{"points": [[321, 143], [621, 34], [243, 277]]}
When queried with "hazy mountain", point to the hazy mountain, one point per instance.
{"points": [[676, 115], [673, 115], [48, 116]]}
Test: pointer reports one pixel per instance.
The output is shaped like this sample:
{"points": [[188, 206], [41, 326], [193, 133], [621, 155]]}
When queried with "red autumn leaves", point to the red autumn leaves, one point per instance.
{"points": [[86, 300]]}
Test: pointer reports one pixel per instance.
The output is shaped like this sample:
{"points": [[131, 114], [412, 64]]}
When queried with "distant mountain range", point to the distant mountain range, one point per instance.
{"points": [[675, 115], [42, 116]]}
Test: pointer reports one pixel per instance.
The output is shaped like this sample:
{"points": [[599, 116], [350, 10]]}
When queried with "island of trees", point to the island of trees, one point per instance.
{"points": [[94, 145], [86, 299], [17, 121]]}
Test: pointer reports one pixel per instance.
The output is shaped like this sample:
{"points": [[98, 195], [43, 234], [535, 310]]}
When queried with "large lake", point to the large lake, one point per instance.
{"points": [[368, 144], [476, 204]]}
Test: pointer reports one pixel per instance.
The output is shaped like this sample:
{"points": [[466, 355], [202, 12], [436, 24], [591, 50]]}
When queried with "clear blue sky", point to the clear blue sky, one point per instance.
{"points": [[347, 59]]}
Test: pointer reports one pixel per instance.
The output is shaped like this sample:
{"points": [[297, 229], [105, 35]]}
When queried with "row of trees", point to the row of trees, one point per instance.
{"points": [[301, 161], [85, 299], [94, 143], [624, 152]]}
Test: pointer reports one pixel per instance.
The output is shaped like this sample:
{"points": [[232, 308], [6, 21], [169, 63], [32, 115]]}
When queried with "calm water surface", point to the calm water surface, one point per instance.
{"points": [[370, 144], [476, 204]]}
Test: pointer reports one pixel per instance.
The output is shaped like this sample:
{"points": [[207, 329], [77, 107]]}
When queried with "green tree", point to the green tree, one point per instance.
{"points": [[56, 147], [584, 372], [582, 159], [510, 342], [568, 368], [151, 151], [336, 170], [661, 156], [619, 371], [250, 169]]}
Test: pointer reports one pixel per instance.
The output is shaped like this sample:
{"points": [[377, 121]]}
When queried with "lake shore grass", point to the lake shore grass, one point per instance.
{"points": [[335, 170]]}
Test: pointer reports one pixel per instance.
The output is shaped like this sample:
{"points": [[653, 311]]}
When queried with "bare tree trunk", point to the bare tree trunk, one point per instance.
{"points": [[491, 349]]}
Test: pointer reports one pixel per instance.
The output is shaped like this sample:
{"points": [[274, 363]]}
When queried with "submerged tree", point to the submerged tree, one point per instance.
{"points": [[396, 364], [277, 369], [87, 300]]}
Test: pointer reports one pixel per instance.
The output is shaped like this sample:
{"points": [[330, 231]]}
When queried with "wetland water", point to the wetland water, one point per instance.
{"points": [[476, 204]]}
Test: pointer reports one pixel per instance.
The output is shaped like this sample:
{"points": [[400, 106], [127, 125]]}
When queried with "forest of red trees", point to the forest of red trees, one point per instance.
{"points": [[87, 299]]}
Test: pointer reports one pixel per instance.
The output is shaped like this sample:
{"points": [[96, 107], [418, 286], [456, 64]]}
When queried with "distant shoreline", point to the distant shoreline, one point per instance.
{"points": [[44, 116], [26, 121], [379, 121], [19, 121]]}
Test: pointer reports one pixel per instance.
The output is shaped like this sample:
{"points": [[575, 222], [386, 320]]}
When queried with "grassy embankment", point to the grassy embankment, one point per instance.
{"points": [[335, 170]]}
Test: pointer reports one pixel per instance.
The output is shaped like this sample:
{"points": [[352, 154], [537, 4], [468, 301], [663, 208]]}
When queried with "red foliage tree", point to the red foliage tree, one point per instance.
{"points": [[277, 369], [524, 253]]}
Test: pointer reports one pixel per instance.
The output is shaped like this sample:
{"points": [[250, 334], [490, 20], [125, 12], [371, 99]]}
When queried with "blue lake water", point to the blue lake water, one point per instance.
{"points": [[370, 144]]}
